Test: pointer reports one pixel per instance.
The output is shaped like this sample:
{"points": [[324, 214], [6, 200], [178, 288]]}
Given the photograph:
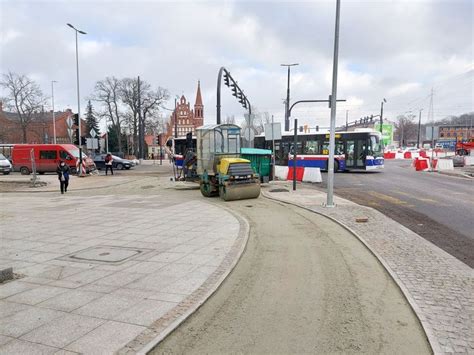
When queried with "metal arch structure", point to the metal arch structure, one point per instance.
{"points": [[310, 101], [238, 93]]}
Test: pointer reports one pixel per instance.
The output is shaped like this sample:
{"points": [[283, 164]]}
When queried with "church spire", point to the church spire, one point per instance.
{"points": [[198, 95], [198, 106]]}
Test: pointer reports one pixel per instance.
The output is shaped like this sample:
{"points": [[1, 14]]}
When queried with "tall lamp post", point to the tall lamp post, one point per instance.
{"points": [[78, 96], [287, 103], [54, 117], [381, 115], [419, 129]]}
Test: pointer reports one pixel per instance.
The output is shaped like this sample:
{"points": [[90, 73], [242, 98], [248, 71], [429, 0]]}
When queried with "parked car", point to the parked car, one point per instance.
{"points": [[117, 163], [5, 165]]}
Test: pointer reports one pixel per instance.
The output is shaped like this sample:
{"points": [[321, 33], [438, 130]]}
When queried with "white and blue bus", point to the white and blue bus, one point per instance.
{"points": [[358, 150]]}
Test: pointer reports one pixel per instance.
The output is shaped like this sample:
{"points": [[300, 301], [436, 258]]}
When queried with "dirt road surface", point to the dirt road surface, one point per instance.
{"points": [[298, 289]]}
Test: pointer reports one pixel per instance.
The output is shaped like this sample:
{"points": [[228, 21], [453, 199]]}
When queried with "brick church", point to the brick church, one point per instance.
{"points": [[187, 119]]}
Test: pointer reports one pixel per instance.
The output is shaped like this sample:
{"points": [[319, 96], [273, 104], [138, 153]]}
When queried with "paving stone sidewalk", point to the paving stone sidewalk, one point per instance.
{"points": [[439, 287], [105, 274]]}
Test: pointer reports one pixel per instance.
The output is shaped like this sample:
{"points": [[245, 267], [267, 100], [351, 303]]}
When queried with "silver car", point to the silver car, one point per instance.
{"points": [[5, 165]]}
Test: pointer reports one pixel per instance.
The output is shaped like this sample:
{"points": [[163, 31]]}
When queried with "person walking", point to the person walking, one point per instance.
{"points": [[109, 164], [63, 175]]}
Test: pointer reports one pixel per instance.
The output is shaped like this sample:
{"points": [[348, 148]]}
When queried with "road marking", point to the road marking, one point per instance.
{"points": [[387, 198]]}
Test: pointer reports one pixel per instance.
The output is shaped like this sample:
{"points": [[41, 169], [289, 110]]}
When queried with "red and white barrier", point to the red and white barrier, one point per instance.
{"points": [[468, 160], [312, 175], [281, 172]]}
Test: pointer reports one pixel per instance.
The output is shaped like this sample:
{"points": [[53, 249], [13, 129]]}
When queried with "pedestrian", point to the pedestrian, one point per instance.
{"points": [[63, 175], [109, 164]]}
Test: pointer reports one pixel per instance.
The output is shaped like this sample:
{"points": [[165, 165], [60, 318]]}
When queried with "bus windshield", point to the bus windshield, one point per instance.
{"points": [[375, 148]]}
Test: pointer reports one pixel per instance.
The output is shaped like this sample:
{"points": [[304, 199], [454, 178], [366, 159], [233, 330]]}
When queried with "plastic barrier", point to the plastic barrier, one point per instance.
{"points": [[281, 172], [423, 154], [311, 175], [299, 173], [421, 164], [445, 164], [407, 155], [399, 156], [389, 155], [415, 155], [468, 160], [435, 164]]}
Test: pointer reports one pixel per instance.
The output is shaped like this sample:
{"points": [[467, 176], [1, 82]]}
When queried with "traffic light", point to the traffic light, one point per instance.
{"points": [[76, 136], [226, 79], [75, 119], [234, 89], [301, 128], [317, 128], [244, 104]]}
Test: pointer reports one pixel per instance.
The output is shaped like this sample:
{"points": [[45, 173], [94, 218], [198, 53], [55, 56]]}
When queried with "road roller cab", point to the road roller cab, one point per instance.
{"points": [[221, 169]]}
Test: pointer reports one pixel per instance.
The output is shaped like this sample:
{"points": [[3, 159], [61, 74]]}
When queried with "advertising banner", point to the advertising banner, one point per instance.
{"points": [[387, 133]]}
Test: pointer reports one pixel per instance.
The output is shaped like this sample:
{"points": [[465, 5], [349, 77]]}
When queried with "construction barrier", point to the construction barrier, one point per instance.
{"points": [[281, 172], [312, 175], [421, 164], [389, 155], [468, 160], [423, 154], [407, 155], [445, 164], [299, 173]]}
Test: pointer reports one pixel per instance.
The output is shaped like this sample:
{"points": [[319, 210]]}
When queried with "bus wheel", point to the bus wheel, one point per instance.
{"points": [[24, 170]]}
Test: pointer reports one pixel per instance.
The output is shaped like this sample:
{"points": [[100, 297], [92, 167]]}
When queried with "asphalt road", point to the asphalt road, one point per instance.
{"points": [[438, 207]]}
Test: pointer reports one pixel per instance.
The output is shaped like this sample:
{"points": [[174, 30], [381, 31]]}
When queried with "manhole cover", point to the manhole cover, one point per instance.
{"points": [[279, 190], [105, 254]]}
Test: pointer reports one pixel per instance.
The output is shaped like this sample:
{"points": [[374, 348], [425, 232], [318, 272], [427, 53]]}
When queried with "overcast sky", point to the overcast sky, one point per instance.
{"points": [[396, 50]]}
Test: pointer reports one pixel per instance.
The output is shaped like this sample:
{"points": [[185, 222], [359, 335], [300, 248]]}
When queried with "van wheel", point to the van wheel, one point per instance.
{"points": [[6, 172], [73, 171], [41, 172], [24, 170]]}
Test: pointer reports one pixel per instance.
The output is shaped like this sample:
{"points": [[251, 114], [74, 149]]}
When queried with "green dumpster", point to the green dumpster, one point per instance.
{"points": [[260, 160]]}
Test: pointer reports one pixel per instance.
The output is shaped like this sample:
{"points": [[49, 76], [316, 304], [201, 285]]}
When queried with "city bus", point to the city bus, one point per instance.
{"points": [[357, 150]]}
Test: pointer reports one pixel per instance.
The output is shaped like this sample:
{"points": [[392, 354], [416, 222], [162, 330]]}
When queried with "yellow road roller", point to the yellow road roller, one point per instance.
{"points": [[220, 168]]}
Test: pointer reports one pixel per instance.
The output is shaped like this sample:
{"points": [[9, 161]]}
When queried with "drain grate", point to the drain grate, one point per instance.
{"points": [[105, 254]]}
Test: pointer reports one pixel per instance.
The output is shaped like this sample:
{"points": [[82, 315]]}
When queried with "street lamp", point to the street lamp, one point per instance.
{"points": [[419, 128], [287, 103], [381, 115], [54, 117], [78, 96]]}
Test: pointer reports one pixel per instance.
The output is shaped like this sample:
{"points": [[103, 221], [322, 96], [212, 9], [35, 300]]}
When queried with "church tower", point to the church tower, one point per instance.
{"points": [[198, 108]]}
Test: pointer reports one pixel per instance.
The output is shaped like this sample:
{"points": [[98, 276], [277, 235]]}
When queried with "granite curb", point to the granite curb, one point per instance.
{"points": [[429, 311]]}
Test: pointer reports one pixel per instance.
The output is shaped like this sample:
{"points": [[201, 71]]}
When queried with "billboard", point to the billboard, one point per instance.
{"points": [[387, 132]]}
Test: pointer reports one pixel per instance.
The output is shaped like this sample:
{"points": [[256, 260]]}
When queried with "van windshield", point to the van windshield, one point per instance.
{"points": [[75, 153]]}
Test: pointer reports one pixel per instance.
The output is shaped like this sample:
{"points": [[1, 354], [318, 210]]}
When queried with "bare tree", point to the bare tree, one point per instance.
{"points": [[108, 92], [150, 101], [406, 129], [24, 97]]}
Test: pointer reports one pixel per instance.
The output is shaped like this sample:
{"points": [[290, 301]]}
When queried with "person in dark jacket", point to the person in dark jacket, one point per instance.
{"points": [[109, 163], [63, 175]]}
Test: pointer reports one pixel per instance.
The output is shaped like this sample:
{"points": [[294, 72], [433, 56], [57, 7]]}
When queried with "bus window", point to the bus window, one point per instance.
{"points": [[311, 147], [375, 148]]}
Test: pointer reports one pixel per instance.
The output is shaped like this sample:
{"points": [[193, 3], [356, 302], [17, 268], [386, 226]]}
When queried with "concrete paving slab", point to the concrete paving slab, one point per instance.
{"points": [[126, 294], [70, 300], [106, 339], [5, 339], [25, 347], [63, 331], [27, 320]]}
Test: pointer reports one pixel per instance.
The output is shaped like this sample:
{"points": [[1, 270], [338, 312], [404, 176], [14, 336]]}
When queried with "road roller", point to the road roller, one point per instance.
{"points": [[222, 172]]}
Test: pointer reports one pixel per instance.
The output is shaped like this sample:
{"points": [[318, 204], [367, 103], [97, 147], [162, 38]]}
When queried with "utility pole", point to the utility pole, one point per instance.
{"points": [[333, 98], [287, 102], [141, 130], [54, 116], [419, 129]]}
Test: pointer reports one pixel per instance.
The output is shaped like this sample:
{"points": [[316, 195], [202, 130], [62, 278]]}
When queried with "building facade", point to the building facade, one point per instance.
{"points": [[184, 118], [39, 130]]}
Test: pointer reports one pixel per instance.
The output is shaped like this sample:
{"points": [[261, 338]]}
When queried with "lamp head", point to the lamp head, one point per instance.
{"points": [[70, 25]]}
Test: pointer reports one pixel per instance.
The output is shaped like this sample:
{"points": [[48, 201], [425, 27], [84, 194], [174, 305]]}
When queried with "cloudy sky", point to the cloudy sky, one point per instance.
{"points": [[396, 50]]}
